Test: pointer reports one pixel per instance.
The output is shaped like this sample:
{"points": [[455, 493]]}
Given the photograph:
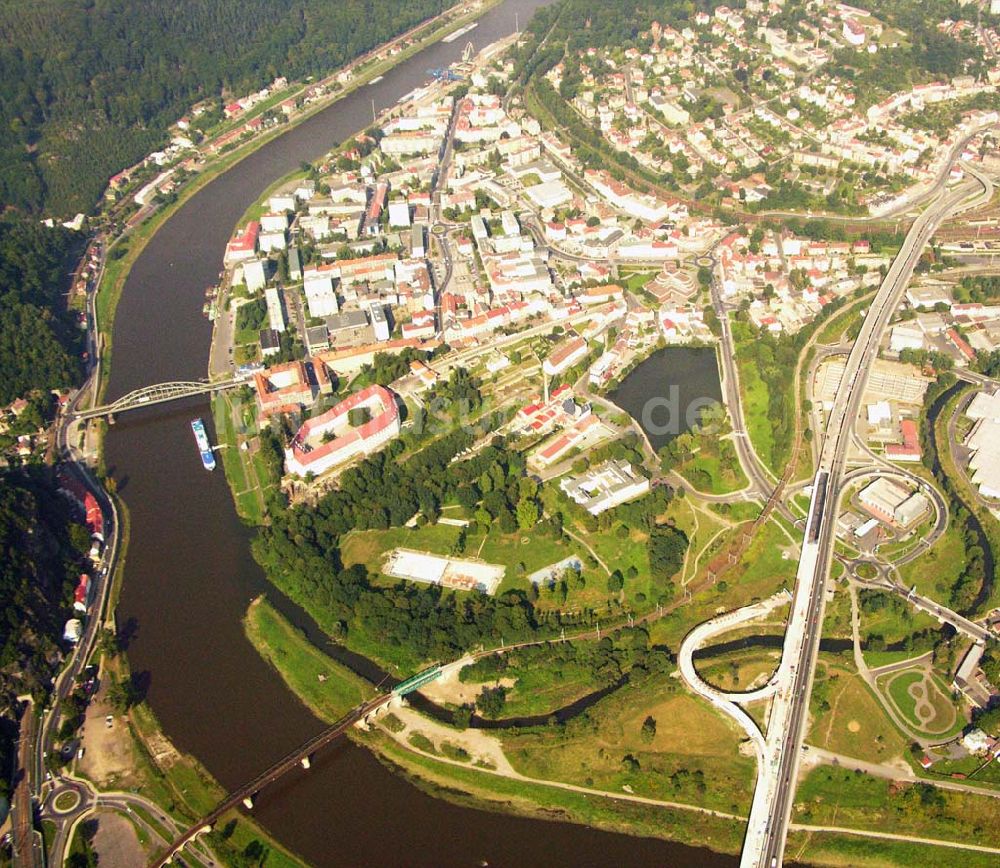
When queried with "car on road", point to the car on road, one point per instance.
{"points": [[109, 720]]}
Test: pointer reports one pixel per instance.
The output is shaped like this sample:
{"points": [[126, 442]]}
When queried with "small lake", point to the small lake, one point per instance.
{"points": [[666, 392]]}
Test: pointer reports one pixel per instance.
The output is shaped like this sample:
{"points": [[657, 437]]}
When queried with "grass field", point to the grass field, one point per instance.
{"points": [[834, 328], [693, 756], [476, 788], [756, 400], [894, 625], [768, 565], [846, 717], [935, 571], [940, 716], [851, 851], [737, 670], [837, 615], [846, 798], [715, 474], [539, 690], [324, 685]]}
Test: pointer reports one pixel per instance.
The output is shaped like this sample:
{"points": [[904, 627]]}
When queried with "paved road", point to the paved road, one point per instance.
{"points": [[769, 817]]}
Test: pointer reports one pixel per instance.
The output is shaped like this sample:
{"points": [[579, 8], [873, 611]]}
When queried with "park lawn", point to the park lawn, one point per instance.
{"points": [[839, 797], [936, 570], [894, 625], [855, 851], [899, 685], [769, 564], [740, 510], [589, 750], [847, 719], [715, 474], [369, 547], [325, 686], [637, 280], [756, 400], [875, 659], [530, 548], [521, 553], [761, 573], [244, 468]]}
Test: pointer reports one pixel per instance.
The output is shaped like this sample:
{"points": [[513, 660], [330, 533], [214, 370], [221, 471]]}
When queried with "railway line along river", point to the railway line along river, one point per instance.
{"points": [[189, 574]]}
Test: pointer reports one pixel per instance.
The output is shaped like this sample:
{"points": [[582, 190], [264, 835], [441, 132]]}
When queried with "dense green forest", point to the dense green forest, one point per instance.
{"points": [[38, 342], [88, 87]]}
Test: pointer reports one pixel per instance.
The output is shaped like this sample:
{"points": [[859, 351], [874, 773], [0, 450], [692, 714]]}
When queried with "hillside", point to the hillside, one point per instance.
{"points": [[88, 87], [39, 345]]}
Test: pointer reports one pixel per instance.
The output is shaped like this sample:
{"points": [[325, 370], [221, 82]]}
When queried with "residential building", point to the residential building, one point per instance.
{"points": [[275, 309], [565, 355]]}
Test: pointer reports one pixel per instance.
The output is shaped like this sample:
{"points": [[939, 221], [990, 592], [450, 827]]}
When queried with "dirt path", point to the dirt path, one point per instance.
{"points": [[868, 833]]}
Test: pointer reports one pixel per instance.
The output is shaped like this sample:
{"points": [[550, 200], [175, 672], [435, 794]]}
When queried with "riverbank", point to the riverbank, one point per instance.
{"points": [[327, 689]]}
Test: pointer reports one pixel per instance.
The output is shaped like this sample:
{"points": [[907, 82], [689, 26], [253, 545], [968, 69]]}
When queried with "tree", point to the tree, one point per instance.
{"points": [[108, 643], [615, 582], [491, 701], [359, 416], [666, 546], [527, 513], [648, 729], [123, 693]]}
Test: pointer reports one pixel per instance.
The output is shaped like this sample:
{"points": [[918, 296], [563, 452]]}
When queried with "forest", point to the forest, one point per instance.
{"points": [[89, 87], [39, 344], [40, 549]]}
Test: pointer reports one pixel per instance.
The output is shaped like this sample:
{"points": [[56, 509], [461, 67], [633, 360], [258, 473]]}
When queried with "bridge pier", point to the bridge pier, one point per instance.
{"points": [[248, 803], [305, 762]]}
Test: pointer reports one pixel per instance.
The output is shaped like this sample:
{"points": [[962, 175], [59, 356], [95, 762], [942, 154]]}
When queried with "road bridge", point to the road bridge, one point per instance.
{"points": [[159, 393]]}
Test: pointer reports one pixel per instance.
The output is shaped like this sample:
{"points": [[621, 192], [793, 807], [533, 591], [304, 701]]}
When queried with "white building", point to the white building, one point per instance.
{"points": [[380, 323], [399, 214], [275, 309], [906, 337], [321, 297], [255, 274], [605, 486], [274, 222], [270, 241]]}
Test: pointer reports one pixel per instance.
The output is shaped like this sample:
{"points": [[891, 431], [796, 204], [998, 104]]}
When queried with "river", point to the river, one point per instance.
{"points": [[189, 575]]}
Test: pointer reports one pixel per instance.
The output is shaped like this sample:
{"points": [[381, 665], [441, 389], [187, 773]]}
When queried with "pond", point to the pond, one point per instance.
{"points": [[666, 392]]}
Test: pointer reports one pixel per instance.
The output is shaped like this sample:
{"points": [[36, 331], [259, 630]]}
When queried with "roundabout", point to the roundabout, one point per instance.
{"points": [[66, 802]]}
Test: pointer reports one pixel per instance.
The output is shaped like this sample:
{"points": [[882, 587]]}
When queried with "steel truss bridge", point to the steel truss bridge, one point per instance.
{"points": [[159, 393]]}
